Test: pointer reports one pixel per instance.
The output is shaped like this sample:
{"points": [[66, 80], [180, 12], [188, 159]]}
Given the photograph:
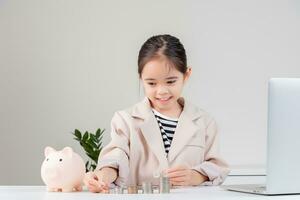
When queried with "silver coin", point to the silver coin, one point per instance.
{"points": [[164, 184], [147, 188]]}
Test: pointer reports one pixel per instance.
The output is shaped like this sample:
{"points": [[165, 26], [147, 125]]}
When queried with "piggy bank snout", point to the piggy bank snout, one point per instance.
{"points": [[51, 173]]}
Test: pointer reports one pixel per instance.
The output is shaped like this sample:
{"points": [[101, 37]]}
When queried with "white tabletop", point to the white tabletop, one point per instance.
{"points": [[188, 193]]}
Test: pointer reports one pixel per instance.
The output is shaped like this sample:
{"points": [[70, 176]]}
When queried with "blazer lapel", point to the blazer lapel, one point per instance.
{"points": [[151, 131], [185, 130], [153, 137]]}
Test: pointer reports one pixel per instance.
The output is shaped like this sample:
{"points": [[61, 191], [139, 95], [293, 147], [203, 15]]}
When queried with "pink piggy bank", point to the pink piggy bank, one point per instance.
{"points": [[62, 170]]}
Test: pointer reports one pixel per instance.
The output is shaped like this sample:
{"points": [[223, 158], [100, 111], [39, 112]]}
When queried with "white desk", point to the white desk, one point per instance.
{"points": [[190, 193]]}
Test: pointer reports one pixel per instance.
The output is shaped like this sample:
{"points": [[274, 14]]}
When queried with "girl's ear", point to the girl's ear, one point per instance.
{"points": [[187, 74]]}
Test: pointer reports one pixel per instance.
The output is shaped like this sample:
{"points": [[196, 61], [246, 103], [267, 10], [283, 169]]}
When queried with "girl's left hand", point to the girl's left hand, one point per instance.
{"points": [[183, 176]]}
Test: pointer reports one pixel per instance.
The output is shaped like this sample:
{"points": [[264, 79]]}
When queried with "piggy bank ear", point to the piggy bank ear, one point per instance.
{"points": [[68, 151], [48, 150]]}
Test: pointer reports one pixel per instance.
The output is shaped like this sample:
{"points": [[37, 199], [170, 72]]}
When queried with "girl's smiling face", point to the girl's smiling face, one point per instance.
{"points": [[163, 83]]}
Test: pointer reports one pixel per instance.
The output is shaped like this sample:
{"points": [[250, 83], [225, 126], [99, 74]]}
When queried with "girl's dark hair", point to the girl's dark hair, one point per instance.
{"points": [[163, 46]]}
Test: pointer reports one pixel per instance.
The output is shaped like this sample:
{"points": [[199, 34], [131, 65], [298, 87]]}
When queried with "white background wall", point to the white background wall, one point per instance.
{"points": [[70, 64]]}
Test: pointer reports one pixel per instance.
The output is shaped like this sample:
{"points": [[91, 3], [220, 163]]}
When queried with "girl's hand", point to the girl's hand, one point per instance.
{"points": [[93, 183], [99, 181], [183, 176]]}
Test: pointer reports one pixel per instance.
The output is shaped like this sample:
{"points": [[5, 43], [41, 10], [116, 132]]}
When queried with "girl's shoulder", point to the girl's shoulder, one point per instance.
{"points": [[199, 115], [136, 110]]}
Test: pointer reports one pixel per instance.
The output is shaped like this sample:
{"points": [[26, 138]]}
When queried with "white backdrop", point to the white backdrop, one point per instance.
{"points": [[71, 64], [235, 47]]}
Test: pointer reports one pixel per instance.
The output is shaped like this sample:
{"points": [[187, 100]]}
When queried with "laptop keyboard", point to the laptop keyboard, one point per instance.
{"points": [[248, 187], [257, 188]]}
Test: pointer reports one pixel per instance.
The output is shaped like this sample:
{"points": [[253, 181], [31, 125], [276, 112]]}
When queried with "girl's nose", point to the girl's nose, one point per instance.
{"points": [[162, 90]]}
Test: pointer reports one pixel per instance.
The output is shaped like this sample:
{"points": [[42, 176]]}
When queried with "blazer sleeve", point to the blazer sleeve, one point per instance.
{"points": [[214, 167], [116, 153]]}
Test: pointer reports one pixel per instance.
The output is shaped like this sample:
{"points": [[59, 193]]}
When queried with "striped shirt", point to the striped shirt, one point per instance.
{"points": [[167, 128]]}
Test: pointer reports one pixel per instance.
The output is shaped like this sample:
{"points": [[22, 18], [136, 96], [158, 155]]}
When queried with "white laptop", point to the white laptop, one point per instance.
{"points": [[283, 142]]}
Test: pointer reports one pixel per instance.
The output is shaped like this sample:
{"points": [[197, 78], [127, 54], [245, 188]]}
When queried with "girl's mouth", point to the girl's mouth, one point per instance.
{"points": [[163, 100]]}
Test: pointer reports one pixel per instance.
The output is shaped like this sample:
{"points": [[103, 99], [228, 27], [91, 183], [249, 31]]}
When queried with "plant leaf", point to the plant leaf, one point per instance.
{"points": [[87, 147], [98, 133], [85, 136], [94, 166], [77, 133], [92, 156], [87, 166], [92, 143]]}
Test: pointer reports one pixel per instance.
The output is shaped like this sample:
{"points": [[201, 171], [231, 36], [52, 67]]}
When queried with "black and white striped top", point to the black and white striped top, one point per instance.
{"points": [[167, 127]]}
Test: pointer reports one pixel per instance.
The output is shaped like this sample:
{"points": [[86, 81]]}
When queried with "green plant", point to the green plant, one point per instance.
{"points": [[92, 145]]}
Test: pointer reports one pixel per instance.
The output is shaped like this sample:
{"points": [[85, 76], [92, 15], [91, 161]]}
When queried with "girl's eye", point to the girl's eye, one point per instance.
{"points": [[47, 159], [152, 84], [171, 82]]}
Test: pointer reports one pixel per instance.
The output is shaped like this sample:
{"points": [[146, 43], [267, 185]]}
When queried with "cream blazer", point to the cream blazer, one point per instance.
{"points": [[136, 148]]}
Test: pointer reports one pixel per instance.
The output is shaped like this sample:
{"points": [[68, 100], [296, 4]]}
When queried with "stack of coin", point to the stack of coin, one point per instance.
{"points": [[132, 189], [147, 188], [112, 191], [118, 190], [164, 184]]}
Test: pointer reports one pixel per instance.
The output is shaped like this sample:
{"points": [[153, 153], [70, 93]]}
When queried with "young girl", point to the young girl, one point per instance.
{"points": [[164, 133]]}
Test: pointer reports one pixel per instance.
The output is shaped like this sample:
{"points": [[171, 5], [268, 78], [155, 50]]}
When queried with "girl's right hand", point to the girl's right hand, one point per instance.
{"points": [[93, 183], [99, 181]]}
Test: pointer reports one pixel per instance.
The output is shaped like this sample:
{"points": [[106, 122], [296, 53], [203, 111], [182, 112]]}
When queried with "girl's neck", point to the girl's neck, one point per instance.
{"points": [[173, 112]]}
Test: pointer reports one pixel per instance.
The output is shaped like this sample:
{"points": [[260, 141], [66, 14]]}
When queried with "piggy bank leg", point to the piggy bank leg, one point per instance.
{"points": [[67, 189], [78, 188], [50, 189]]}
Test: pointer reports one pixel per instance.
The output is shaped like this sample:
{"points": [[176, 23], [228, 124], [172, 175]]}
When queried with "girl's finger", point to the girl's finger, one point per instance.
{"points": [[93, 188], [104, 186], [88, 177], [91, 175], [178, 179], [176, 174], [177, 168], [105, 191], [178, 183], [94, 183], [98, 186]]}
